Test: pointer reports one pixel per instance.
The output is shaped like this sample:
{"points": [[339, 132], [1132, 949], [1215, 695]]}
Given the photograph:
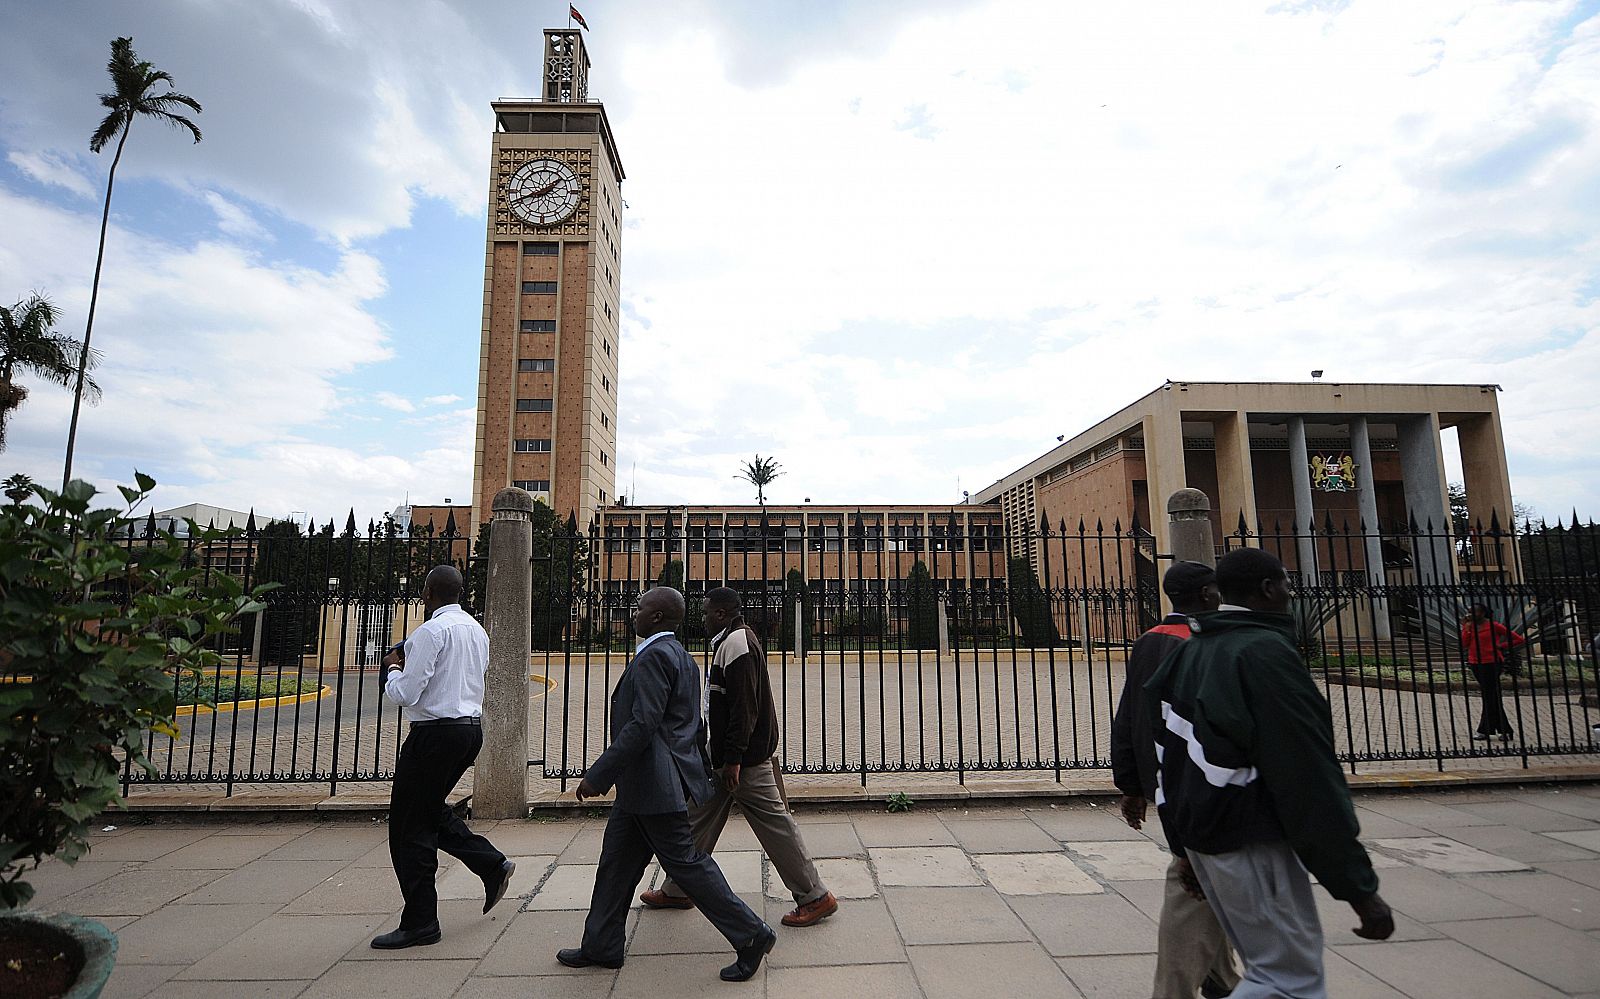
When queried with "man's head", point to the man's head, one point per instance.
{"points": [[1478, 612], [1255, 579], [1192, 587], [660, 609], [441, 588], [720, 608]]}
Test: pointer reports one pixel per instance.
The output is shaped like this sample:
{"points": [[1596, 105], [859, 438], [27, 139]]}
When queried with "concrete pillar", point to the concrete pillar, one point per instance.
{"points": [[1189, 526], [1372, 539], [1488, 485], [500, 781], [944, 627], [1427, 498], [1164, 469], [1236, 479], [1304, 513]]}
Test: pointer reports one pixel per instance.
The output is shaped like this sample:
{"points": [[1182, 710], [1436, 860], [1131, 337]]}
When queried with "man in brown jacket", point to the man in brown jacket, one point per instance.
{"points": [[744, 738]]}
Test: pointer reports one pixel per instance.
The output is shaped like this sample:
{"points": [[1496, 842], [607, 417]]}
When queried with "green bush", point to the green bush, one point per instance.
{"points": [[100, 627], [223, 687], [922, 609]]}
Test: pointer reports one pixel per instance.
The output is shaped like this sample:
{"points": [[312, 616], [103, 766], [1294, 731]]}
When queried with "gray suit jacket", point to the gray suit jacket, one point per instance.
{"points": [[656, 759]]}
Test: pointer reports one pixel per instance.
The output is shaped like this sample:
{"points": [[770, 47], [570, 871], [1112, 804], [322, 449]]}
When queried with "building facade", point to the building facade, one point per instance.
{"points": [[547, 368]]}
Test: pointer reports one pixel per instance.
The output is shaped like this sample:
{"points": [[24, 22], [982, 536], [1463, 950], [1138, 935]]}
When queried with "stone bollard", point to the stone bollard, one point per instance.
{"points": [[500, 782], [1190, 530]]}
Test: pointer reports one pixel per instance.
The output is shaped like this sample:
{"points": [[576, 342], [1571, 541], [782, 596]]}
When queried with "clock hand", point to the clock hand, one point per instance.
{"points": [[541, 192]]}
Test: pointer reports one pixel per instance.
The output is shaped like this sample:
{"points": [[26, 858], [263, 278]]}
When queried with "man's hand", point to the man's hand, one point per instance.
{"points": [[586, 790], [1377, 922], [1191, 884], [730, 776], [1133, 810], [395, 659]]}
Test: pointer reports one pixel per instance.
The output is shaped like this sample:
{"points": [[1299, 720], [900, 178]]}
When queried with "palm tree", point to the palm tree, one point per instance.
{"points": [[29, 344], [760, 473], [131, 82]]}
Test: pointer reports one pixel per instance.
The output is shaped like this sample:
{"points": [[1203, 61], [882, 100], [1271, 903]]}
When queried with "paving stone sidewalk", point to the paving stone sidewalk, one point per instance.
{"points": [[1496, 892]]}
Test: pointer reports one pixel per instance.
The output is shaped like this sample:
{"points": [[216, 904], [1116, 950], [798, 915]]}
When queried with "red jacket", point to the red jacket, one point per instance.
{"points": [[1488, 641]]}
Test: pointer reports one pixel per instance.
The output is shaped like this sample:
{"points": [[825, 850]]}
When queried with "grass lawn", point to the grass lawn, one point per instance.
{"points": [[1542, 671], [219, 688]]}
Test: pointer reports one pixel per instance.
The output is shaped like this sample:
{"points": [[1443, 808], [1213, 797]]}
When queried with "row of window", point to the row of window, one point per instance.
{"points": [[537, 445], [821, 538], [541, 249], [532, 485], [535, 405], [538, 287], [537, 326], [536, 364]]}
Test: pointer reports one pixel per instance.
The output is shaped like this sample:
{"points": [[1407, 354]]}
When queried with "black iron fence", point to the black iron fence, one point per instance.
{"points": [[970, 649]]}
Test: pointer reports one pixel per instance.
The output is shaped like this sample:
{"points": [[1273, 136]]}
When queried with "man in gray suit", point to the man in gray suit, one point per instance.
{"points": [[657, 763]]}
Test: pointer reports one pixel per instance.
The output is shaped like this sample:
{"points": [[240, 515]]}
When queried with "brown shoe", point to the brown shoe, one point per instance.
{"points": [[812, 913], [655, 898]]}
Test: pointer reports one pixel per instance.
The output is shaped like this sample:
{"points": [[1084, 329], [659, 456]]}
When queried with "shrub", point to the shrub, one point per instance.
{"points": [[99, 628]]}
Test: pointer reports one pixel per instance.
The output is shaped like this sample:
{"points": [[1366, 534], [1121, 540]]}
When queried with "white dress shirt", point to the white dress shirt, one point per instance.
{"points": [[446, 658]]}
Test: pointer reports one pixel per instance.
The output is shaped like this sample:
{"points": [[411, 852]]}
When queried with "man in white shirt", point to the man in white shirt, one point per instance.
{"points": [[437, 678]]}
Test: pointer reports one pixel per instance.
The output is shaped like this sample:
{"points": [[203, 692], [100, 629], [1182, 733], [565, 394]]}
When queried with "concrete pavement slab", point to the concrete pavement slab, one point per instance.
{"points": [[682, 931], [846, 877], [1440, 853], [135, 981], [528, 946], [1082, 925], [880, 981], [1036, 874], [351, 891], [1567, 801], [285, 947], [1146, 896], [1585, 872], [565, 986], [923, 867], [1123, 860], [1070, 823], [467, 933], [183, 934], [406, 980], [1566, 902], [533, 838], [144, 842], [220, 852], [677, 976], [1000, 835], [460, 882], [335, 841], [1112, 976], [232, 990], [279, 881], [1429, 896], [955, 915], [1588, 839], [994, 971], [1443, 969], [569, 886], [1347, 981], [882, 829], [1560, 957], [585, 845], [832, 839], [861, 932], [1519, 844], [1376, 824], [1338, 919], [54, 880], [1420, 811], [1523, 814], [135, 893], [742, 868]]}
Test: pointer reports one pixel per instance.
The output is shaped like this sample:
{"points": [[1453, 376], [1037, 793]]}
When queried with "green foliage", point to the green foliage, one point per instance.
{"points": [[100, 628], [794, 589], [30, 345], [899, 802], [760, 473], [671, 575], [922, 609], [1313, 612], [560, 575], [224, 686], [1030, 606]]}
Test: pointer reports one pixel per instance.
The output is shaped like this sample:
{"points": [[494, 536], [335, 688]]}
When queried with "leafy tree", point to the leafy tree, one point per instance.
{"points": [[922, 609], [760, 473], [1030, 605], [132, 96], [29, 344], [794, 589], [671, 574], [560, 574]]}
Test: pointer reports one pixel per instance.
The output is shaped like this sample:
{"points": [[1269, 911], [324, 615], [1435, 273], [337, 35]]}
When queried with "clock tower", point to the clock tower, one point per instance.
{"points": [[547, 366]]}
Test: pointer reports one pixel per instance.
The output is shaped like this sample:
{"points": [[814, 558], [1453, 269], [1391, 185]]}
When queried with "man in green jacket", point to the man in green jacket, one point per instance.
{"points": [[1249, 787]]}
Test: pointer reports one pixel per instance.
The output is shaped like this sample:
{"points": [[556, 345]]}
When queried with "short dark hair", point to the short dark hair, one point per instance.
{"points": [[446, 582], [1241, 572], [724, 598]]}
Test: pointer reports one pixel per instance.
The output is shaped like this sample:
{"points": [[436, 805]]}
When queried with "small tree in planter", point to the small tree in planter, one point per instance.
{"points": [[96, 633]]}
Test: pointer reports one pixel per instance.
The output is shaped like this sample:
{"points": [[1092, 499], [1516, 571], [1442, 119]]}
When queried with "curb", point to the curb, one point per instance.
{"points": [[186, 710]]}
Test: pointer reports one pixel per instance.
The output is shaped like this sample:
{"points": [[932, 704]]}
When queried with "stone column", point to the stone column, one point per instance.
{"points": [[1189, 528], [1488, 485], [500, 781], [1372, 537], [1427, 501], [1164, 468], [1236, 489], [1304, 513]]}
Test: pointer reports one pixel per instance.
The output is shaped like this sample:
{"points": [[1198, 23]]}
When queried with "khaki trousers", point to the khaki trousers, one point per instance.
{"points": [[1189, 945], [760, 797]]}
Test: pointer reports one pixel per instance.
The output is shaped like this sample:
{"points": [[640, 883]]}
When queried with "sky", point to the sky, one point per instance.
{"points": [[901, 246]]}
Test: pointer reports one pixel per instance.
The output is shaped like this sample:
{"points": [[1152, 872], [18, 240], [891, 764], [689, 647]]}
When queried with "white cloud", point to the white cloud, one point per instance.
{"points": [[440, 400], [54, 169], [234, 220], [396, 402]]}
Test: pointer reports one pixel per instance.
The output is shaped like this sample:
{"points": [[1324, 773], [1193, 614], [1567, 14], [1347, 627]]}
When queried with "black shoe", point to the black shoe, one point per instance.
{"points": [[574, 957], [494, 891], [1213, 989], [396, 939], [750, 956]]}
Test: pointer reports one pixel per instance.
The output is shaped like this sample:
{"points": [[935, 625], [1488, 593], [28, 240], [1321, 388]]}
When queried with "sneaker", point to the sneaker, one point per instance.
{"points": [[812, 912]]}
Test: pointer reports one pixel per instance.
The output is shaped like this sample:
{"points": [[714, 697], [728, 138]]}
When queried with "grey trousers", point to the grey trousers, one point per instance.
{"points": [[1190, 944], [1262, 897], [761, 798]]}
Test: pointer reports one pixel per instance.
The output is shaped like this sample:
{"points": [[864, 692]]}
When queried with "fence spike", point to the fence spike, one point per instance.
{"points": [[1243, 528], [1063, 527], [1133, 522], [250, 522], [1081, 528], [1099, 527], [1575, 517], [1327, 522], [572, 524], [1495, 530], [1116, 527], [1361, 522], [350, 522], [450, 524]]}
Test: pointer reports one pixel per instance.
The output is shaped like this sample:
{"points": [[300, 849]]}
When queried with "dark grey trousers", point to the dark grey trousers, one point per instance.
{"points": [[625, 852]]}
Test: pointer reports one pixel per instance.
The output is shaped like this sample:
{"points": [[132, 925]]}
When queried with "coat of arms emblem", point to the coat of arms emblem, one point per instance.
{"points": [[1333, 473]]}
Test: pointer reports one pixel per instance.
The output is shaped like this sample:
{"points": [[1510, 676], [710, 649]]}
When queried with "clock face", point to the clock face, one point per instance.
{"points": [[543, 192]]}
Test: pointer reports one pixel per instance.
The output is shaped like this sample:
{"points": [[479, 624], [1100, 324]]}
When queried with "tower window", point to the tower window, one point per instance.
{"points": [[605, 421], [536, 364], [607, 345], [605, 383], [537, 326], [539, 445], [538, 287], [604, 460], [532, 485], [535, 405], [541, 249]]}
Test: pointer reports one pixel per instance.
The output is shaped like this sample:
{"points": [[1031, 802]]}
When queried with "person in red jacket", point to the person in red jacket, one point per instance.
{"points": [[1487, 645]]}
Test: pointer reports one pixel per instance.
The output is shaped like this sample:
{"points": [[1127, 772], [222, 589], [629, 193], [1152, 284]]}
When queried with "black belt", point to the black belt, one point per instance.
{"points": [[430, 722]]}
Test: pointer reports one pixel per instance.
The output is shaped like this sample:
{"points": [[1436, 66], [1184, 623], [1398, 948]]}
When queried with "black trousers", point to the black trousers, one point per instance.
{"points": [[1493, 720], [432, 760], [625, 852]]}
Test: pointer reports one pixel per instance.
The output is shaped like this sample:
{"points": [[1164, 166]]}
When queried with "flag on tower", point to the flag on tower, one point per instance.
{"points": [[572, 12]]}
